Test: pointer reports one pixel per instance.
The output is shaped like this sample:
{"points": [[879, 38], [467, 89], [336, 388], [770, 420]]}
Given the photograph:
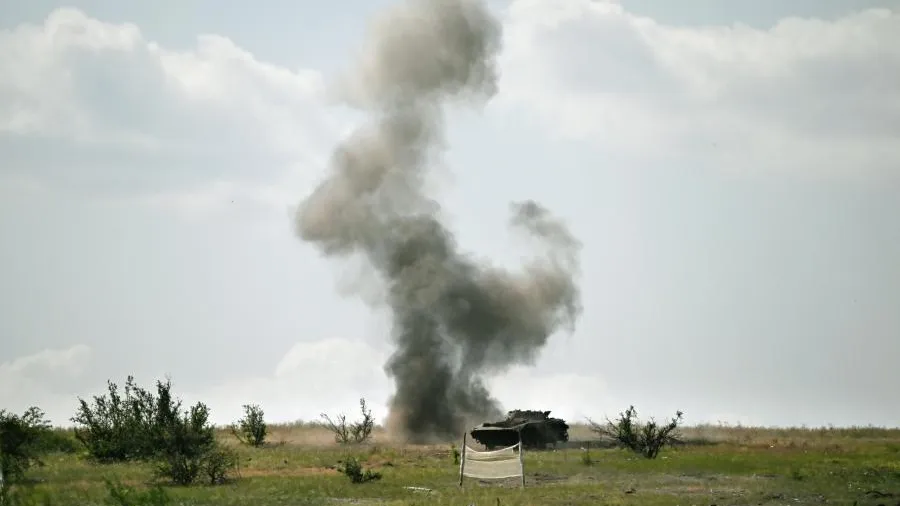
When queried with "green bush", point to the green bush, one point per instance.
{"points": [[252, 428], [218, 463], [186, 439], [19, 442], [117, 429], [646, 439], [354, 470], [143, 426]]}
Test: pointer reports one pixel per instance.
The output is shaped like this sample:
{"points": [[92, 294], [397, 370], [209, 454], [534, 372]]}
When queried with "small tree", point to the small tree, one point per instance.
{"points": [[338, 427], [252, 428], [646, 439], [362, 430], [358, 432], [20, 437]]}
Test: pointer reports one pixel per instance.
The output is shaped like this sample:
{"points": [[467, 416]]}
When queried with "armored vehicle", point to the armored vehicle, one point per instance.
{"points": [[536, 429]]}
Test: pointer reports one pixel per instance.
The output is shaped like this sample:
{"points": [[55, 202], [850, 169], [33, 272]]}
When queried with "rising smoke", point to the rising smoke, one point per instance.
{"points": [[454, 320]]}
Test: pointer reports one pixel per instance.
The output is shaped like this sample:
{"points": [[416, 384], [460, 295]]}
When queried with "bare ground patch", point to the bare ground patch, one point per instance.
{"points": [[294, 472]]}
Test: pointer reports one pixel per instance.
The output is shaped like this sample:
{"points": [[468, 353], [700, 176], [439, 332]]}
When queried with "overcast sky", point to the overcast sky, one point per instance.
{"points": [[732, 169]]}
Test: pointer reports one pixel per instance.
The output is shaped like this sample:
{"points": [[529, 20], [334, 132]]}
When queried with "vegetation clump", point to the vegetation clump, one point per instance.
{"points": [[351, 433], [20, 442], [141, 426], [646, 439], [351, 468], [252, 428]]}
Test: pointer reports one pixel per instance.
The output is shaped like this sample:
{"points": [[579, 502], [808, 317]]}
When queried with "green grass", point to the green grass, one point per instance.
{"points": [[723, 466]]}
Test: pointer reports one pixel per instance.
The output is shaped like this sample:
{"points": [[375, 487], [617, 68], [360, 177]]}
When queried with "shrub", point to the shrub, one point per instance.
{"points": [[19, 442], [361, 431], [252, 428], [354, 470], [186, 441], [218, 463], [142, 426], [358, 432], [116, 429], [646, 439], [339, 427]]}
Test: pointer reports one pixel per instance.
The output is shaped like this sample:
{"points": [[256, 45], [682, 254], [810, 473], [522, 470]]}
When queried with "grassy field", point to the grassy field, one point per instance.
{"points": [[718, 465]]}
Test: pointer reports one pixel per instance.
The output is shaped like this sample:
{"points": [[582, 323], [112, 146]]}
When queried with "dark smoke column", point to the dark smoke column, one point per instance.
{"points": [[453, 320]]}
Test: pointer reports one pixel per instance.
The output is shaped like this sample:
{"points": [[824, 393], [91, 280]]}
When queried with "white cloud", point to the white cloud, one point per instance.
{"points": [[95, 106], [67, 362], [806, 96], [313, 377], [44, 379]]}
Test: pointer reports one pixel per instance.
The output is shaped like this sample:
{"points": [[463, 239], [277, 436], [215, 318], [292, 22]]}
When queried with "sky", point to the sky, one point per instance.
{"points": [[732, 171]]}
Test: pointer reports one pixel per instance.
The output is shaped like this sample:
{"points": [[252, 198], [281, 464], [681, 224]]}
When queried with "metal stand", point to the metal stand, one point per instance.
{"points": [[522, 458], [462, 459]]}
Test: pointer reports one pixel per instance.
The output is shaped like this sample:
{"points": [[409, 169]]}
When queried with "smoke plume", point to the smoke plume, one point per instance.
{"points": [[454, 320]]}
